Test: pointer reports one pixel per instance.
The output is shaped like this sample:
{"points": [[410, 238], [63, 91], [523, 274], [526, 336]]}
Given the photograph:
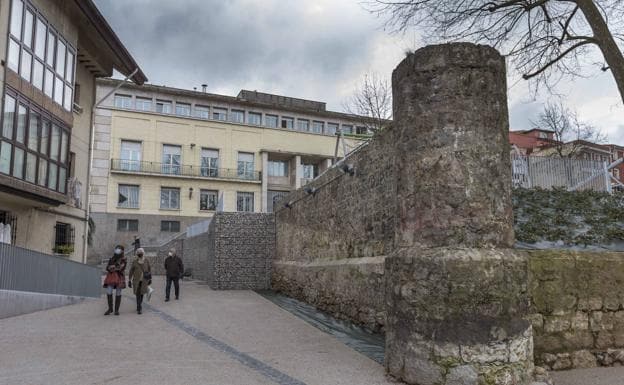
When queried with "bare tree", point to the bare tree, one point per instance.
{"points": [[568, 130], [372, 100], [545, 39]]}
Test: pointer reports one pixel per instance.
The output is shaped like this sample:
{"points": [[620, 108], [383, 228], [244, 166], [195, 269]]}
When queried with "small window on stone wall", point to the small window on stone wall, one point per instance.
{"points": [[170, 226], [127, 225]]}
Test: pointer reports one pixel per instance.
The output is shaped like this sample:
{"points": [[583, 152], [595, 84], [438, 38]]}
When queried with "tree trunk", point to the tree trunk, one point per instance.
{"points": [[610, 50]]}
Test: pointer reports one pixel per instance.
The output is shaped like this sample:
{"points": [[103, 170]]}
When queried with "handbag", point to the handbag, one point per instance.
{"points": [[147, 276]]}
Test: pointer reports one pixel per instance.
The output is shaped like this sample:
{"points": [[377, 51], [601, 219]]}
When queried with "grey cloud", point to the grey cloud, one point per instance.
{"points": [[276, 46]]}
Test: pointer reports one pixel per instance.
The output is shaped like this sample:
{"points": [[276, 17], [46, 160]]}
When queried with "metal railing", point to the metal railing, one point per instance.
{"points": [[135, 166], [570, 173], [28, 270]]}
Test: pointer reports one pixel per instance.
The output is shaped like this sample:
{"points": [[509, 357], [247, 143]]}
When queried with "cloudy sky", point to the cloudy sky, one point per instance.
{"points": [[317, 50]]}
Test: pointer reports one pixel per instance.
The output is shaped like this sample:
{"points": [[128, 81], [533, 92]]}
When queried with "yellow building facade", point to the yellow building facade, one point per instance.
{"points": [[167, 158]]}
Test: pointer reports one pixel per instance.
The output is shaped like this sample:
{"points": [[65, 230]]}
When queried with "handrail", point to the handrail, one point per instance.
{"points": [[183, 170]]}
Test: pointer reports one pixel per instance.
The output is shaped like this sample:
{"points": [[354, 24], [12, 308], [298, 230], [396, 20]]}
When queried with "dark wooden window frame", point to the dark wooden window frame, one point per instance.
{"points": [[44, 116], [68, 47]]}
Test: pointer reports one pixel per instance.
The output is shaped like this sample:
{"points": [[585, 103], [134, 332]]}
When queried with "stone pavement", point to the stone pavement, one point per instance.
{"points": [[208, 337]]}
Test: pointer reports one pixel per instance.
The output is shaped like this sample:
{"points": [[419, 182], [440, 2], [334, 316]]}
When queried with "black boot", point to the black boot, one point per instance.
{"points": [[117, 303], [109, 298], [139, 299]]}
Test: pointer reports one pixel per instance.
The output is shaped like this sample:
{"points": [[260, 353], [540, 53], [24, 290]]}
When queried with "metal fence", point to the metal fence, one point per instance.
{"points": [[135, 166], [548, 172], [198, 228], [27, 270]]}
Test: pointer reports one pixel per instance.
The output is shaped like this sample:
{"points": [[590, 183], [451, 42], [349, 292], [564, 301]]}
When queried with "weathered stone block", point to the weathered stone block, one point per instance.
{"points": [[557, 323], [449, 304], [583, 359], [451, 121]]}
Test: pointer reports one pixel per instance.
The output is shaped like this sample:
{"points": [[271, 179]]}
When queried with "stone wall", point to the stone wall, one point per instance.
{"points": [[577, 306], [106, 235], [330, 245], [235, 253]]}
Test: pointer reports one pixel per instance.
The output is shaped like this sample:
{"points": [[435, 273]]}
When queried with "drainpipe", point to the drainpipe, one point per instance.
{"points": [[91, 145]]}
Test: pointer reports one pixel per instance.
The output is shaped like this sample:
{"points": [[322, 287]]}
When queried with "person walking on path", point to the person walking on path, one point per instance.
{"points": [[140, 277], [137, 244], [174, 270], [115, 279]]}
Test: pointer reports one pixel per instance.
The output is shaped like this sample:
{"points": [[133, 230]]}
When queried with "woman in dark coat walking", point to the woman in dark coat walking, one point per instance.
{"points": [[115, 279], [139, 277]]}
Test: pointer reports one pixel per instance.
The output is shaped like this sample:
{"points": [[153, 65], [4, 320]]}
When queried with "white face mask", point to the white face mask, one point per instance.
{"points": [[117, 251], [170, 254]]}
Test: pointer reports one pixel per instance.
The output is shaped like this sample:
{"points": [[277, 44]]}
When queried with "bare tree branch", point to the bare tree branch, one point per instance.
{"points": [[544, 39], [372, 101], [568, 130]]}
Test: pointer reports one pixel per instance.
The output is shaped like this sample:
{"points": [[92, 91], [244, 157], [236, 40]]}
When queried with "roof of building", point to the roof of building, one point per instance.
{"points": [[264, 100], [122, 61], [281, 101], [531, 130]]}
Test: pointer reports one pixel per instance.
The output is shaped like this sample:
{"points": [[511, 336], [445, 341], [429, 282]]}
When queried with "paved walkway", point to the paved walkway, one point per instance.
{"points": [[208, 337]]}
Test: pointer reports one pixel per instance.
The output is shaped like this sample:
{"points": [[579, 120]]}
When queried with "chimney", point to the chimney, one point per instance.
{"points": [[204, 86]]}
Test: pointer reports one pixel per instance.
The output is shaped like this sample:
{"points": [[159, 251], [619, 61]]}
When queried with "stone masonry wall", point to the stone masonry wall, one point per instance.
{"points": [[235, 253], [349, 216], [330, 245], [577, 306]]}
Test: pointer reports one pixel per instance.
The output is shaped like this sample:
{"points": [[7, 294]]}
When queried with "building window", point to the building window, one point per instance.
{"points": [[63, 238], [171, 159], [219, 114], [254, 118], [128, 196], [32, 148], [30, 46], [332, 128], [170, 226], [208, 200], [318, 127], [202, 112], [274, 198], [245, 166], [278, 168], [143, 104], [128, 225], [303, 124], [183, 109], [163, 106], [288, 122], [616, 173], [347, 129], [245, 201], [130, 155], [123, 101], [361, 130], [237, 116], [209, 162], [170, 198], [270, 121], [5, 157], [310, 171]]}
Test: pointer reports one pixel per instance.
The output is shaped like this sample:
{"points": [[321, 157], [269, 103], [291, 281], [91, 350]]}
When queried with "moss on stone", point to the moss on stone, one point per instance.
{"points": [[571, 217]]}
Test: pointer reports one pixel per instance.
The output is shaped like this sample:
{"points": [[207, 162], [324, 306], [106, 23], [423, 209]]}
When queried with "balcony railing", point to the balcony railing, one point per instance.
{"points": [[134, 166]]}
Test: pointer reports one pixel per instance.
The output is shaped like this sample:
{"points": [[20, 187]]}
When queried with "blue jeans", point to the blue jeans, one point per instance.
{"points": [[109, 291]]}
